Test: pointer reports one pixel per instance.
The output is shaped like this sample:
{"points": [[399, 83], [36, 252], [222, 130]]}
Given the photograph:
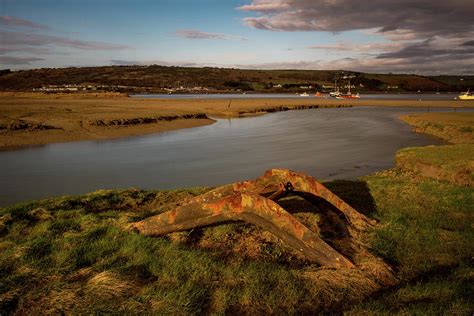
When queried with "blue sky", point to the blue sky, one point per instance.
{"points": [[240, 33]]}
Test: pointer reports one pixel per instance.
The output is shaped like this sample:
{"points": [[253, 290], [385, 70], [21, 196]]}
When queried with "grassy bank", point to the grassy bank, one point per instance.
{"points": [[427, 205], [453, 163], [456, 128], [75, 254]]}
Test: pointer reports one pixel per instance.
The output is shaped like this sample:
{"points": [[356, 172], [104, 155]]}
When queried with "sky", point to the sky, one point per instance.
{"points": [[400, 36]]}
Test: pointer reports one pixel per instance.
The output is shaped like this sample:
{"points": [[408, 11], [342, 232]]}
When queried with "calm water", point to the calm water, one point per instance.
{"points": [[326, 143], [385, 96]]}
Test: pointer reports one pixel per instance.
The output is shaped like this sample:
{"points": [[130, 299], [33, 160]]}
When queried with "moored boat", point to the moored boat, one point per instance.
{"points": [[466, 96], [348, 96]]}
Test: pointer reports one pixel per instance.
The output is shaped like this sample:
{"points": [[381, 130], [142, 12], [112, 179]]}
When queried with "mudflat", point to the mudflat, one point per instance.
{"points": [[34, 119]]}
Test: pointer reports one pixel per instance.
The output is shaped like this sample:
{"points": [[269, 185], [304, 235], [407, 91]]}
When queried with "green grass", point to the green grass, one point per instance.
{"points": [[454, 163], [422, 230], [429, 238], [52, 250], [73, 255], [447, 292], [453, 127]]}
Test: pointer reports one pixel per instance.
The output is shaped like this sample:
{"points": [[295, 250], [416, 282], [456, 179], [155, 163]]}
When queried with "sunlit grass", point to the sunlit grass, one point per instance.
{"points": [[75, 255]]}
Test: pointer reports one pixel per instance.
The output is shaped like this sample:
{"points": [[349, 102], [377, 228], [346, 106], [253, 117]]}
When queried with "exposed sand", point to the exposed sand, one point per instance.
{"points": [[33, 119]]}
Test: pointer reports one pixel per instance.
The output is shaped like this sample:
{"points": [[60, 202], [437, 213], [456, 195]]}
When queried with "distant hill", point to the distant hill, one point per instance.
{"points": [[156, 78]]}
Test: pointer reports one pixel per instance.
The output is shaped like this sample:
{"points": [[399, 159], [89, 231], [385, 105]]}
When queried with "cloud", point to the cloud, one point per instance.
{"points": [[358, 47], [468, 43], [12, 60], [122, 62], [37, 50], [17, 39], [434, 66], [196, 34], [420, 35], [265, 6], [15, 21], [425, 50], [417, 16], [41, 44]]}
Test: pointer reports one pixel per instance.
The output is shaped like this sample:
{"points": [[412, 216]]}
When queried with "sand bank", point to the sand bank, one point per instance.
{"points": [[35, 119]]}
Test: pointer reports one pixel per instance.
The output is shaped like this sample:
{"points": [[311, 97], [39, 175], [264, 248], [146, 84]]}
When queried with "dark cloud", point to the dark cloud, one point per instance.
{"points": [[33, 39], [425, 50], [433, 66], [418, 16], [12, 60], [420, 34], [15, 21], [196, 34], [468, 43]]}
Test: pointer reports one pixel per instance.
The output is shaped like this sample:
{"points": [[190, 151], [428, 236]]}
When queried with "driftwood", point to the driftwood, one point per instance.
{"points": [[254, 202]]}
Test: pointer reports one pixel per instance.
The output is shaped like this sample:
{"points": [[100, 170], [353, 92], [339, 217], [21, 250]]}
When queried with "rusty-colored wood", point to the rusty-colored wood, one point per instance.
{"points": [[251, 208], [253, 202]]}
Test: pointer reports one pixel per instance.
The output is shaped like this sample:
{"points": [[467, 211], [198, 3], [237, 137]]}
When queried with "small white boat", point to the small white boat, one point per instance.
{"points": [[466, 96], [304, 94]]}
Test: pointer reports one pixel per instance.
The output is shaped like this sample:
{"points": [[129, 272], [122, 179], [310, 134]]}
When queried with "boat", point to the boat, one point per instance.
{"points": [[342, 96], [304, 94], [348, 96], [466, 96]]}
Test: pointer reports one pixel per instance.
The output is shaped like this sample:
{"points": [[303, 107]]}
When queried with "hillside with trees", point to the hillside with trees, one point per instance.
{"points": [[162, 79]]}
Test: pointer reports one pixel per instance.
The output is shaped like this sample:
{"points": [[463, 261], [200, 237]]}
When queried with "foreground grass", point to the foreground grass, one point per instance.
{"points": [[73, 255], [427, 235]]}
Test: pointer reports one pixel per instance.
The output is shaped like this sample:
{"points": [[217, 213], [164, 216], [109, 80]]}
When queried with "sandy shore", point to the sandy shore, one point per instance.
{"points": [[34, 119]]}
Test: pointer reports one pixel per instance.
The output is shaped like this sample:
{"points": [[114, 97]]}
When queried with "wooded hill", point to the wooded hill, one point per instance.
{"points": [[156, 78]]}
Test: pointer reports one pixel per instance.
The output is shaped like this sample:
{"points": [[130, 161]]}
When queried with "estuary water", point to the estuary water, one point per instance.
{"points": [[380, 96], [342, 143]]}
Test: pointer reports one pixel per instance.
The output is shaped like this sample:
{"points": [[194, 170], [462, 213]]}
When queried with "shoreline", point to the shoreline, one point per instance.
{"points": [[28, 119]]}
